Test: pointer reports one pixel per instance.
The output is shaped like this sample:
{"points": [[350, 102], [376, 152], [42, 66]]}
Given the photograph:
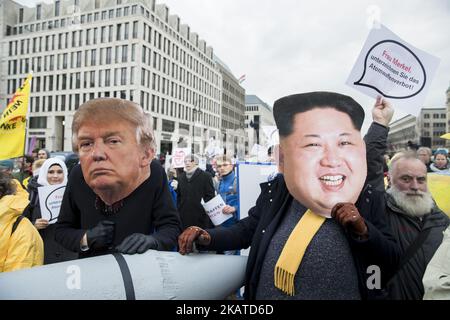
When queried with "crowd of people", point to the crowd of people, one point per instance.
{"points": [[315, 230]]}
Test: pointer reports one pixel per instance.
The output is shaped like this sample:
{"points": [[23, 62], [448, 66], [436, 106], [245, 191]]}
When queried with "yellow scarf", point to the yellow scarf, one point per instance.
{"points": [[294, 249]]}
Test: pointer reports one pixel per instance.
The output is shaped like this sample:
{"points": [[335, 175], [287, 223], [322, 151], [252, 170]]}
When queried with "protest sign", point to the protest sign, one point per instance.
{"points": [[271, 133], [202, 163], [214, 209], [259, 152], [50, 199], [394, 69], [178, 156]]}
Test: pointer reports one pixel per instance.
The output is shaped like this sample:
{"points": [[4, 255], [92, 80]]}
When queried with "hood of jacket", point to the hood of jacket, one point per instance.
{"points": [[11, 206]]}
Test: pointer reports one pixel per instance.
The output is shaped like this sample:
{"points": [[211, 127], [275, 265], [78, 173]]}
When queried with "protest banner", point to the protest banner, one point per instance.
{"points": [[13, 122], [394, 69], [438, 184], [50, 201]]}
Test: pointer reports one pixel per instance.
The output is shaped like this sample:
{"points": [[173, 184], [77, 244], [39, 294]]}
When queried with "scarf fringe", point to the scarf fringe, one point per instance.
{"points": [[284, 281]]}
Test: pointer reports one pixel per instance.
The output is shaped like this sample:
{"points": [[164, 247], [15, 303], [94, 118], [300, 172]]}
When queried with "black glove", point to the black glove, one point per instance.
{"points": [[101, 236], [137, 243]]}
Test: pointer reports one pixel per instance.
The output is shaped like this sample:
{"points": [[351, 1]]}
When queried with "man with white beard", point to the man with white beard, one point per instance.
{"points": [[416, 222]]}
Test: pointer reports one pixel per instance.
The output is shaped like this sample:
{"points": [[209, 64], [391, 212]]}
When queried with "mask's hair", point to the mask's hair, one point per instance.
{"points": [[105, 109], [286, 108]]}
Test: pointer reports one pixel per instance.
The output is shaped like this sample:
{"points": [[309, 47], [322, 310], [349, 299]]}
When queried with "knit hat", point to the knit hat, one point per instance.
{"points": [[7, 164]]}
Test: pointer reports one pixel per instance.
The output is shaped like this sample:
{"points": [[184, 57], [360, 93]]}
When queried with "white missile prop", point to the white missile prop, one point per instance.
{"points": [[154, 275]]}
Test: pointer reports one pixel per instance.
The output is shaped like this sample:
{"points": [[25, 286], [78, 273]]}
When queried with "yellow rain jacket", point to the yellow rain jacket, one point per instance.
{"points": [[24, 248]]}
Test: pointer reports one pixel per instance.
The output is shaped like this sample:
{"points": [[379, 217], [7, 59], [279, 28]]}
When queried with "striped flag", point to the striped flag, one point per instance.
{"points": [[241, 79]]}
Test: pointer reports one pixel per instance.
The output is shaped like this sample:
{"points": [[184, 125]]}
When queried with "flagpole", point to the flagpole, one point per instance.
{"points": [[27, 116]]}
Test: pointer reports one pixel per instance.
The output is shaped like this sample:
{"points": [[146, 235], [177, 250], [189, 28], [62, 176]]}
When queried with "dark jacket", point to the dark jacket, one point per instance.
{"points": [[407, 281], [376, 145], [53, 251], [259, 227], [149, 209], [189, 195]]}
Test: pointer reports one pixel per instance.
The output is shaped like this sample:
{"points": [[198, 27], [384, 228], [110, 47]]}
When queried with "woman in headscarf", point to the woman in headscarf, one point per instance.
{"points": [[52, 172]]}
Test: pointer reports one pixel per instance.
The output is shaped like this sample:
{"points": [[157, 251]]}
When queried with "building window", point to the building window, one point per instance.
{"points": [[107, 77], [88, 36], [77, 80], [168, 126], [78, 59], [95, 35], [93, 56], [92, 79], [135, 29], [123, 76], [20, 15], [63, 103], [64, 65], [38, 11], [116, 76], [132, 75], [125, 53], [133, 52], [103, 34], [57, 8], [118, 31], [110, 33], [108, 55], [38, 122], [127, 27]]}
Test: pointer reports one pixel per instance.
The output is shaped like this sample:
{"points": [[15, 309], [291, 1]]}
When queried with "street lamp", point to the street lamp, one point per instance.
{"points": [[195, 111]]}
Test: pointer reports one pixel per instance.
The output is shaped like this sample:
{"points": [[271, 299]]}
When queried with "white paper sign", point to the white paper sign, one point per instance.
{"points": [[178, 157], [260, 152], [271, 133], [50, 199], [214, 209], [393, 68], [202, 163]]}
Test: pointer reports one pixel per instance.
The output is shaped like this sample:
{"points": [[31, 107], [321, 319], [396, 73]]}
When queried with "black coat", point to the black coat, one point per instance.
{"points": [[149, 209], [53, 251], [407, 282], [259, 227], [189, 195], [376, 145]]}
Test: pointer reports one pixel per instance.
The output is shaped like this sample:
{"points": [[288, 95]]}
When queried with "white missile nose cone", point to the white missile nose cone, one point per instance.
{"points": [[154, 275]]}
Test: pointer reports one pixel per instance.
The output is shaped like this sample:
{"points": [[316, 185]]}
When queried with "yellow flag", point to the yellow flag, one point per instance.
{"points": [[13, 123], [439, 186]]}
